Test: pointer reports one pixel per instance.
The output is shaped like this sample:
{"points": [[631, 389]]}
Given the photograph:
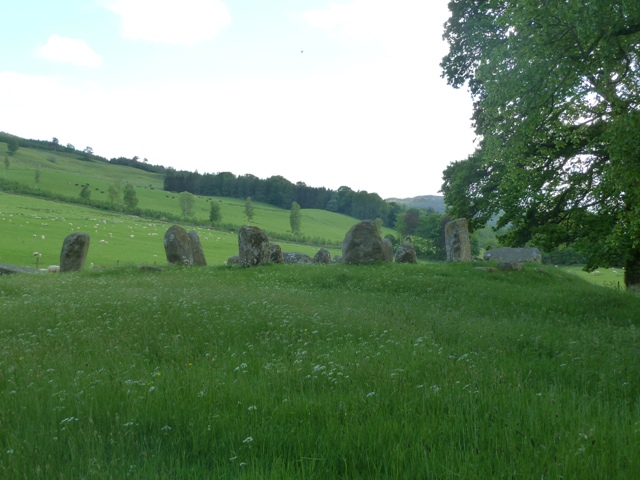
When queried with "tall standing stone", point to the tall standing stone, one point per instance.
{"points": [[74, 252], [362, 244], [253, 246], [457, 243]]}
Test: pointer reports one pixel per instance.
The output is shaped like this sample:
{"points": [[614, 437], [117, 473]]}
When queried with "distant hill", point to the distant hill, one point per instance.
{"points": [[436, 202]]}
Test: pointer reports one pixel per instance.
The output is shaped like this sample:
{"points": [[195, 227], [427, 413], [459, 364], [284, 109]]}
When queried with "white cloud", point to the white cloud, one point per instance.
{"points": [[69, 50], [183, 22], [392, 23]]}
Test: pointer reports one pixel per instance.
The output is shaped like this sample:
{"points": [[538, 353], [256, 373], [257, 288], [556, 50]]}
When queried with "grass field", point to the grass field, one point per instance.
{"points": [[30, 224], [434, 371]]}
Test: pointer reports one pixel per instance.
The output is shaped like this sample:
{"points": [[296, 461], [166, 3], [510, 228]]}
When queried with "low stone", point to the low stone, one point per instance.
{"points": [[406, 253], [511, 255], [6, 269], [234, 260], [362, 244], [510, 266], [275, 253], [487, 269], [73, 255], [322, 256], [295, 257], [151, 268], [253, 245]]}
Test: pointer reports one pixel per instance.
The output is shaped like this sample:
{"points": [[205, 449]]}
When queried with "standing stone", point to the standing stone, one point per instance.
{"points": [[387, 245], [275, 253], [362, 244], [253, 244], [406, 253], [177, 246], [457, 241], [74, 252], [322, 256], [196, 249]]}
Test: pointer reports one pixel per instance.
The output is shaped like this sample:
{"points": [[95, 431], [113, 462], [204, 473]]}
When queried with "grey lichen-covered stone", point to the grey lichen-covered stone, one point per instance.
{"points": [[234, 260], [510, 266], [406, 253], [6, 269], [295, 257], [253, 246], [322, 256], [512, 255], [457, 243], [275, 253], [74, 251], [182, 248], [197, 254], [362, 244], [387, 246]]}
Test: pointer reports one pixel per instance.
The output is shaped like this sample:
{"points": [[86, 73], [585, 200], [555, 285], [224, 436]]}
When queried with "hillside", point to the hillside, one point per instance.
{"points": [[423, 202], [60, 176]]}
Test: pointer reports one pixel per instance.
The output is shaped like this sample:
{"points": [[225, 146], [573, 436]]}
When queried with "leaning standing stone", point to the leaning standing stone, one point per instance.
{"points": [[253, 246], [322, 256], [74, 252], [457, 241], [275, 253], [196, 249]]}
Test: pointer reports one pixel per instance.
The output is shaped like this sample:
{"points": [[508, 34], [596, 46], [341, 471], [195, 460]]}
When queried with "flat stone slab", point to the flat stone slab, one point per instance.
{"points": [[6, 269], [513, 255]]}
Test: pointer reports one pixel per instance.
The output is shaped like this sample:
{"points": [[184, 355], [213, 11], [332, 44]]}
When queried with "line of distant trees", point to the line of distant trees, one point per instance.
{"points": [[280, 192]]}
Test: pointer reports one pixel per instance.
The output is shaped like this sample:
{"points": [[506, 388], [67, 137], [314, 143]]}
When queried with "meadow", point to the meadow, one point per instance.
{"points": [[434, 371]]}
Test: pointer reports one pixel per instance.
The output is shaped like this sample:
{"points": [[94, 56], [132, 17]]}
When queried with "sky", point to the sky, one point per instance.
{"points": [[329, 93]]}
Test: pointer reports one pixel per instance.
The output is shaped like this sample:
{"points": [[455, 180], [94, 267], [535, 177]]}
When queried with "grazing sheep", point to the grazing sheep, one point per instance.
{"points": [[53, 268]]}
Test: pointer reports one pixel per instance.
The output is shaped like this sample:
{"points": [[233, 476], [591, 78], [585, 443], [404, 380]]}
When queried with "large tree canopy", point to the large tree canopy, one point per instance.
{"points": [[556, 91]]}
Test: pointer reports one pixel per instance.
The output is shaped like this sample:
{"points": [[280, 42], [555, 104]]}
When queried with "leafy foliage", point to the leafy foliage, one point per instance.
{"points": [[556, 91], [130, 197], [186, 204], [295, 219], [249, 210]]}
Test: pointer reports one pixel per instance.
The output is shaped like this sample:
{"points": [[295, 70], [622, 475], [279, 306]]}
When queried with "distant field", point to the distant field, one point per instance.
{"points": [[65, 174], [29, 225], [608, 277]]}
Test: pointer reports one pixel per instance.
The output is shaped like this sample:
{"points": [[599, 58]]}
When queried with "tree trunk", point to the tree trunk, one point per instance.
{"points": [[632, 271]]}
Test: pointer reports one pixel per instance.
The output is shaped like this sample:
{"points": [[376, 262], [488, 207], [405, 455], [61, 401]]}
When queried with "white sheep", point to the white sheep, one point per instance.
{"points": [[53, 268]]}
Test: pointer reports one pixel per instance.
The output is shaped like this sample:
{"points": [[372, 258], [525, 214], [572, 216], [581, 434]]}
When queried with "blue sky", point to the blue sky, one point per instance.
{"points": [[328, 93]]}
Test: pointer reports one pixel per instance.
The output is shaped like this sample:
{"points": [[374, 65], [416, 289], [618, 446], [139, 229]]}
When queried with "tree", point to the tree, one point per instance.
{"points": [[129, 197], [7, 164], [54, 144], [214, 212], [85, 192], [37, 174], [115, 196], [12, 145], [186, 203], [86, 153], [248, 209], [556, 92], [295, 219]]}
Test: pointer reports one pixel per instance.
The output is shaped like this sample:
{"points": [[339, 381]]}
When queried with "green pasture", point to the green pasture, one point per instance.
{"points": [[430, 371], [608, 277], [66, 175], [31, 224]]}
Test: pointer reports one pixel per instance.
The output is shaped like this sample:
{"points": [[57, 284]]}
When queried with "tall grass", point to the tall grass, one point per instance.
{"points": [[386, 371]]}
